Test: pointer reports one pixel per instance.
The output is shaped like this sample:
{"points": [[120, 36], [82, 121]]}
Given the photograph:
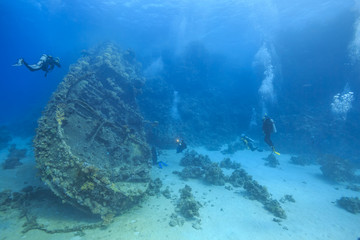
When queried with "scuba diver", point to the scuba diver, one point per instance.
{"points": [[249, 143], [154, 156], [181, 145], [268, 128], [45, 63]]}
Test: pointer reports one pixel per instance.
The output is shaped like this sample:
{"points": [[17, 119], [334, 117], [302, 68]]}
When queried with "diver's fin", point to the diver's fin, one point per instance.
{"points": [[19, 63], [273, 148]]}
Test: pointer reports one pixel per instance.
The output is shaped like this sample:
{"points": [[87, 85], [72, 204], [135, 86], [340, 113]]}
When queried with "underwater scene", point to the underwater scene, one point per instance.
{"points": [[179, 119]]}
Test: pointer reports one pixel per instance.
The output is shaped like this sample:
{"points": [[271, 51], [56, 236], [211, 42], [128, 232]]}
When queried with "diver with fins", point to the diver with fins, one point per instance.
{"points": [[154, 156], [249, 143], [181, 145], [45, 63], [268, 128]]}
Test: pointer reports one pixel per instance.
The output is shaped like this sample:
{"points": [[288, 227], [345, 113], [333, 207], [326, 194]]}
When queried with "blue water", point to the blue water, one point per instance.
{"points": [[222, 64], [279, 57]]}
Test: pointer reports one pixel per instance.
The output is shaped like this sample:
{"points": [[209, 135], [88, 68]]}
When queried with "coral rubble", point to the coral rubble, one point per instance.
{"points": [[337, 169], [176, 220], [228, 164], [350, 204], [166, 193], [214, 175], [192, 158], [239, 177], [90, 145], [191, 172], [200, 166], [255, 191], [275, 208], [271, 160], [154, 187], [287, 198], [187, 205]]}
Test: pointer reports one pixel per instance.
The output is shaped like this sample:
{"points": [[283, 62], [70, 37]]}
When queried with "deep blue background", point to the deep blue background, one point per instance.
{"points": [[220, 38]]}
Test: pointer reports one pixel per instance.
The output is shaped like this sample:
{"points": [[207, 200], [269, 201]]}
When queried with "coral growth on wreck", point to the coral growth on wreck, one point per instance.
{"points": [[90, 145]]}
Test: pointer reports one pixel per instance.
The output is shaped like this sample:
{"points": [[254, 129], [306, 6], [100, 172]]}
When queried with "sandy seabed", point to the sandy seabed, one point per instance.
{"points": [[225, 212]]}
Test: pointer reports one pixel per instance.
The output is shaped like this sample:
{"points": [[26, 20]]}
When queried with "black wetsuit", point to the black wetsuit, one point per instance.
{"points": [[268, 129], [181, 146], [155, 158], [45, 63], [154, 155]]}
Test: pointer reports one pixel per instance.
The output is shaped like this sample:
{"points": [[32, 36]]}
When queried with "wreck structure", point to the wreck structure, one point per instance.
{"points": [[90, 144]]}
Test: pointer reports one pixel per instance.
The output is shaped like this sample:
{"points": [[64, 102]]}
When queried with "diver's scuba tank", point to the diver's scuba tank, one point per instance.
{"points": [[274, 127]]}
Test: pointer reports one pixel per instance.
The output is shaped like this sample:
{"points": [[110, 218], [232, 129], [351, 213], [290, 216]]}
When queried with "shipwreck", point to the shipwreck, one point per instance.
{"points": [[90, 143]]}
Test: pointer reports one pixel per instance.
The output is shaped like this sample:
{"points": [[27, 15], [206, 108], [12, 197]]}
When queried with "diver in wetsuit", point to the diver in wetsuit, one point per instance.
{"points": [[155, 161], [268, 128], [181, 145], [45, 63], [249, 143]]}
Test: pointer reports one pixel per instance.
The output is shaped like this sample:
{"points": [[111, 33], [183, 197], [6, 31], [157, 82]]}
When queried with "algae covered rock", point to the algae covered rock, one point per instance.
{"points": [[350, 204], [214, 175], [192, 158], [90, 145], [228, 164], [271, 161], [239, 177], [191, 172], [257, 192], [187, 205], [337, 169]]}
